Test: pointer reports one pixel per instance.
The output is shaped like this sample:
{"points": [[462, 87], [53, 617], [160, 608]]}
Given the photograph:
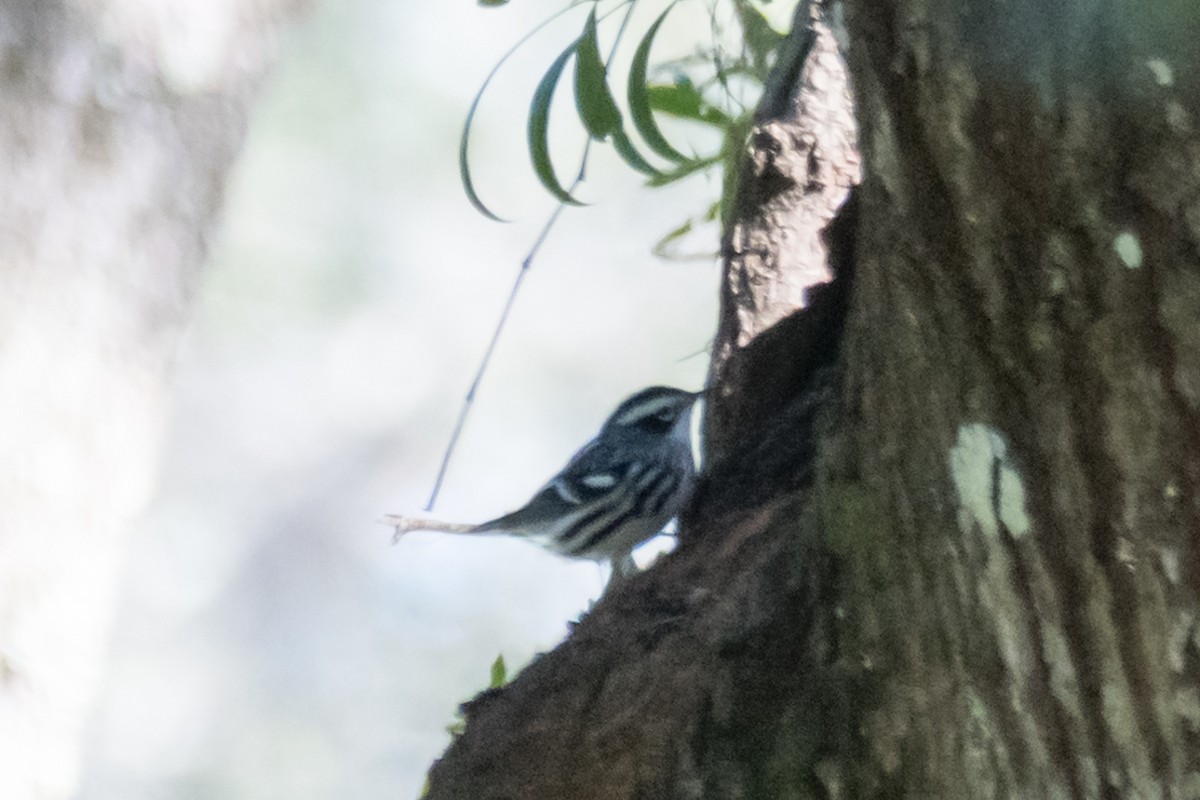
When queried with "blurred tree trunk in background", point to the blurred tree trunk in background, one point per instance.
{"points": [[949, 542], [118, 124]]}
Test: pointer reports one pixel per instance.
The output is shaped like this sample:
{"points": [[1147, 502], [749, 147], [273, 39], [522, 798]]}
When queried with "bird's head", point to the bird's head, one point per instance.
{"points": [[655, 411]]}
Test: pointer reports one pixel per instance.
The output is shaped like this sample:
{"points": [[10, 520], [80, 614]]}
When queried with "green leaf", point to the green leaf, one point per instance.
{"points": [[660, 248], [683, 99], [597, 108], [732, 149], [464, 167], [761, 39], [663, 248], [499, 673], [464, 170], [639, 98], [684, 170], [631, 156], [539, 126]]}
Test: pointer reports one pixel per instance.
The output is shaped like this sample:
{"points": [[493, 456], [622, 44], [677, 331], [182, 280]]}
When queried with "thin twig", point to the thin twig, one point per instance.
{"points": [[405, 525], [526, 262], [487, 354]]}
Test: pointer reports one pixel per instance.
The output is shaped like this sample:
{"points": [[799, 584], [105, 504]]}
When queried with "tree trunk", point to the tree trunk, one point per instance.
{"points": [[118, 130], [948, 545]]}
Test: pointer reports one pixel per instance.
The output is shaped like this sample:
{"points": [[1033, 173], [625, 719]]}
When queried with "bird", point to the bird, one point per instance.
{"points": [[617, 491]]}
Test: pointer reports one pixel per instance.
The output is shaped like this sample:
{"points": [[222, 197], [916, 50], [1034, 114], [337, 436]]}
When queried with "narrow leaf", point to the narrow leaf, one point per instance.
{"points": [[464, 170], [639, 98], [761, 39], [539, 126], [684, 170], [499, 672], [683, 99], [665, 248], [660, 248], [631, 156], [597, 108]]}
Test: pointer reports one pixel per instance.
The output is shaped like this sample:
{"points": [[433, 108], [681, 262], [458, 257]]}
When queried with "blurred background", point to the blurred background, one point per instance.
{"points": [[271, 643]]}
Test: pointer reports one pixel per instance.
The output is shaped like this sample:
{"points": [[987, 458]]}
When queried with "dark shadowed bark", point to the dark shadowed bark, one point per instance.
{"points": [[949, 542], [117, 131]]}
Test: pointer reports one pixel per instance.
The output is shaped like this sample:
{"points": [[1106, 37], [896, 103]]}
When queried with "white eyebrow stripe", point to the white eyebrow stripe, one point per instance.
{"points": [[646, 410]]}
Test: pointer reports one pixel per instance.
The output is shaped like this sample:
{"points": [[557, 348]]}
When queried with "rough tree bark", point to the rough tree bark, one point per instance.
{"points": [[949, 542], [119, 123]]}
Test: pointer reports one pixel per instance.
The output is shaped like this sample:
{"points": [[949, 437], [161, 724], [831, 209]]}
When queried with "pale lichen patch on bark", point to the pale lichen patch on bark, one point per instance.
{"points": [[990, 491], [1011, 502], [829, 773], [1178, 118], [1168, 560], [1128, 249], [1163, 74]]}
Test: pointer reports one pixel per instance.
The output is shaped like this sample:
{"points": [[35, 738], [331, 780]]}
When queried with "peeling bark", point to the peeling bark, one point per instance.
{"points": [[949, 543], [801, 159]]}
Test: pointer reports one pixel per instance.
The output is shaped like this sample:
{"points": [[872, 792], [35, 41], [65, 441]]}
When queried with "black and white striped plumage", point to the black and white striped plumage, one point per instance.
{"points": [[621, 488]]}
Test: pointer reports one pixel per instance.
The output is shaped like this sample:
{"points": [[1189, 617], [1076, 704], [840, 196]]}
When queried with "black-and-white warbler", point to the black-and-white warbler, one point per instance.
{"points": [[620, 489]]}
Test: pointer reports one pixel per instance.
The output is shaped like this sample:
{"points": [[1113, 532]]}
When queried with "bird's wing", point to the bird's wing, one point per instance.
{"points": [[588, 477], [595, 471]]}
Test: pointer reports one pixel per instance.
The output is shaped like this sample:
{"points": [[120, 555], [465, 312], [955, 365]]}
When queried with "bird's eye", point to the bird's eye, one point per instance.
{"points": [[658, 422]]}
